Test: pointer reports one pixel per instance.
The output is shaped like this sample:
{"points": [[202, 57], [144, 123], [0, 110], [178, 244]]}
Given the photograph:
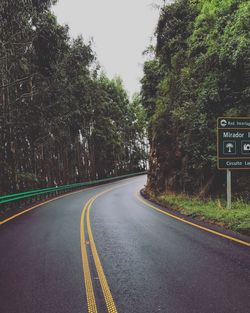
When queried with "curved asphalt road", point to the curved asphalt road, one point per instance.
{"points": [[152, 262]]}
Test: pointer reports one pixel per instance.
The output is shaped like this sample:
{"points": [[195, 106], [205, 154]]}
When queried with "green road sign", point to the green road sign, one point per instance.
{"points": [[233, 143]]}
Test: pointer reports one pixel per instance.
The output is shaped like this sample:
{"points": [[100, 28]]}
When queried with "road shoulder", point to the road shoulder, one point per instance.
{"points": [[195, 220]]}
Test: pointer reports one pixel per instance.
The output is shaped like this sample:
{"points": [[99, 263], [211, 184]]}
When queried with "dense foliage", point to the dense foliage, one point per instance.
{"points": [[200, 71], [61, 119]]}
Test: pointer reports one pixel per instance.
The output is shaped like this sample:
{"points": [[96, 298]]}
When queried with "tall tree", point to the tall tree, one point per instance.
{"points": [[61, 120], [203, 64]]}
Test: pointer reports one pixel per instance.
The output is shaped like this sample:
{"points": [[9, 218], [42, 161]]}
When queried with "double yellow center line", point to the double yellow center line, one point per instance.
{"points": [[90, 295]]}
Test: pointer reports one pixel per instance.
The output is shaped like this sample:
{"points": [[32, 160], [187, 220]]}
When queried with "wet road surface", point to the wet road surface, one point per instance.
{"points": [[148, 262]]}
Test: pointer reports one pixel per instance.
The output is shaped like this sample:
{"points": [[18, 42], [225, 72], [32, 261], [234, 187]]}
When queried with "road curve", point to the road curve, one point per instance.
{"points": [[103, 250]]}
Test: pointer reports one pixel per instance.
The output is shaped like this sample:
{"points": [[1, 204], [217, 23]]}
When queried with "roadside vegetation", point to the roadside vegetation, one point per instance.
{"points": [[198, 70], [212, 211], [62, 120]]}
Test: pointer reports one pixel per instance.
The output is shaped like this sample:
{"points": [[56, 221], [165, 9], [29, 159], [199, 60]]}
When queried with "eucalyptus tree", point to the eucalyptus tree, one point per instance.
{"points": [[200, 71], [18, 76], [61, 120]]}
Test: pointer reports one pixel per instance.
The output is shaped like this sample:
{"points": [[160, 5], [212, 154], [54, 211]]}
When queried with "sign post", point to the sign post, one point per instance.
{"points": [[233, 147], [229, 189]]}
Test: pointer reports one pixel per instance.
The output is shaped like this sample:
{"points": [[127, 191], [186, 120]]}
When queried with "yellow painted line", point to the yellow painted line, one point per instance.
{"points": [[45, 202], [85, 263], [86, 270], [245, 243], [102, 278], [40, 204]]}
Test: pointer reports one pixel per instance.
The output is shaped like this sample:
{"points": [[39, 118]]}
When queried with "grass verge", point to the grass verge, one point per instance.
{"points": [[212, 211]]}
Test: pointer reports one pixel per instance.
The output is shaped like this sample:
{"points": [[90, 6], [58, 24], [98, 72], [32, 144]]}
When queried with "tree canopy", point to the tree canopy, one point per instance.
{"points": [[201, 70], [61, 119]]}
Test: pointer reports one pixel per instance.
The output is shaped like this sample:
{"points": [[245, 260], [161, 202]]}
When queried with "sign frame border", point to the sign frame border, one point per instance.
{"points": [[217, 131]]}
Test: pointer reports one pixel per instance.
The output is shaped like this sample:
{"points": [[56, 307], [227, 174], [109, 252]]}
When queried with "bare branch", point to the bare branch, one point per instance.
{"points": [[16, 82]]}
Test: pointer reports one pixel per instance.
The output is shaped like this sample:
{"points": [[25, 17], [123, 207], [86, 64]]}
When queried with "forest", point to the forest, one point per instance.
{"points": [[62, 120], [198, 70]]}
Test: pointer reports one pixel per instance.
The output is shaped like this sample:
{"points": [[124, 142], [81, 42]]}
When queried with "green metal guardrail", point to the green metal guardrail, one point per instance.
{"points": [[45, 191]]}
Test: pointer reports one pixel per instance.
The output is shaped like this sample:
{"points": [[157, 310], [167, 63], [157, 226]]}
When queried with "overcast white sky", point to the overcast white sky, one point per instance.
{"points": [[121, 30]]}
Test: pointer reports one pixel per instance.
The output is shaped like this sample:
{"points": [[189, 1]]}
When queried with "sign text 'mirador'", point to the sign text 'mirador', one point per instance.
{"points": [[233, 135]]}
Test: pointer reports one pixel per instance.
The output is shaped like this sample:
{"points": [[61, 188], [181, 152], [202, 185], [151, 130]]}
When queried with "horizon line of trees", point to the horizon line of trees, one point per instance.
{"points": [[61, 119]]}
